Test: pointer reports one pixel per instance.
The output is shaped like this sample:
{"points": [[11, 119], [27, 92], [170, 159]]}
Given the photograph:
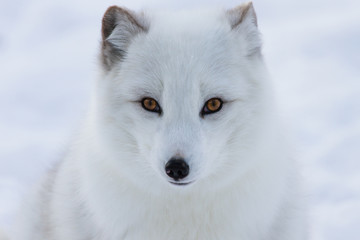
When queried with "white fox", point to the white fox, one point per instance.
{"points": [[182, 141]]}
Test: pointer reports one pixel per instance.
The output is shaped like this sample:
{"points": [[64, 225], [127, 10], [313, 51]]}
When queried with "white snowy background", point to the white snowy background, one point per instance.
{"points": [[48, 56]]}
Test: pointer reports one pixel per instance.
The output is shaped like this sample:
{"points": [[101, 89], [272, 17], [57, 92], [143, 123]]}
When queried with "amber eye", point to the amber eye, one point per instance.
{"points": [[151, 105], [212, 105]]}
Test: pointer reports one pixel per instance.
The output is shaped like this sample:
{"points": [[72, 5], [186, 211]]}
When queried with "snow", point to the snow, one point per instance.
{"points": [[48, 54]]}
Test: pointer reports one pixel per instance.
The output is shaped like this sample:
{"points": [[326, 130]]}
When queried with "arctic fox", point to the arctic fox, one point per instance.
{"points": [[182, 141]]}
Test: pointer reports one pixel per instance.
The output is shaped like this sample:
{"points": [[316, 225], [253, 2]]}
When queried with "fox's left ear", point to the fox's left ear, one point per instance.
{"points": [[119, 28], [243, 20]]}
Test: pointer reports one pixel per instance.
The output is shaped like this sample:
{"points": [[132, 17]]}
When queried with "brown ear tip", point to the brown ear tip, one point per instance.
{"points": [[109, 19], [241, 12], [112, 9], [249, 5]]}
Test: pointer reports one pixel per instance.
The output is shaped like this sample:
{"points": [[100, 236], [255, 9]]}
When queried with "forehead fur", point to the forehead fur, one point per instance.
{"points": [[184, 38], [196, 21]]}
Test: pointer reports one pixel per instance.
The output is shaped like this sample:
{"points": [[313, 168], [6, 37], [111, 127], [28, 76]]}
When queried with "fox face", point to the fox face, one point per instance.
{"points": [[180, 97]]}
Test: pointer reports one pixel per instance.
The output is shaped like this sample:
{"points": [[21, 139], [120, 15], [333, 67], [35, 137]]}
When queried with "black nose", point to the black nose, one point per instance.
{"points": [[177, 168]]}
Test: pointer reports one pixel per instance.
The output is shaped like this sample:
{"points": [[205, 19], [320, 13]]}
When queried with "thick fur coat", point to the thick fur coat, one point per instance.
{"points": [[241, 182]]}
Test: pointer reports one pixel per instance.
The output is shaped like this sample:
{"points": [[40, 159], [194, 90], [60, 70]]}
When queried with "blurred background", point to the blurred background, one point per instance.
{"points": [[48, 62]]}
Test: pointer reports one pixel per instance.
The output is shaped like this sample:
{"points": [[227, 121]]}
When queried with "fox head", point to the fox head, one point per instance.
{"points": [[181, 98]]}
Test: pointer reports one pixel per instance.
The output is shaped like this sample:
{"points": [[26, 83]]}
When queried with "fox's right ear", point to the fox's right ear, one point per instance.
{"points": [[119, 27], [243, 21]]}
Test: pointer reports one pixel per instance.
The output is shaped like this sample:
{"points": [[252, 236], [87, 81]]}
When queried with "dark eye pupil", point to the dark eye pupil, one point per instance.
{"points": [[151, 104], [213, 104]]}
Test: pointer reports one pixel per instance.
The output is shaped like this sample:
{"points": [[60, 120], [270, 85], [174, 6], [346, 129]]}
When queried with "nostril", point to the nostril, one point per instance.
{"points": [[177, 168]]}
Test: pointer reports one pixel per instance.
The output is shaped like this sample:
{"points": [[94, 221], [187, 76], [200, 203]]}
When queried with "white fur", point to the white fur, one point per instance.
{"points": [[112, 184]]}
